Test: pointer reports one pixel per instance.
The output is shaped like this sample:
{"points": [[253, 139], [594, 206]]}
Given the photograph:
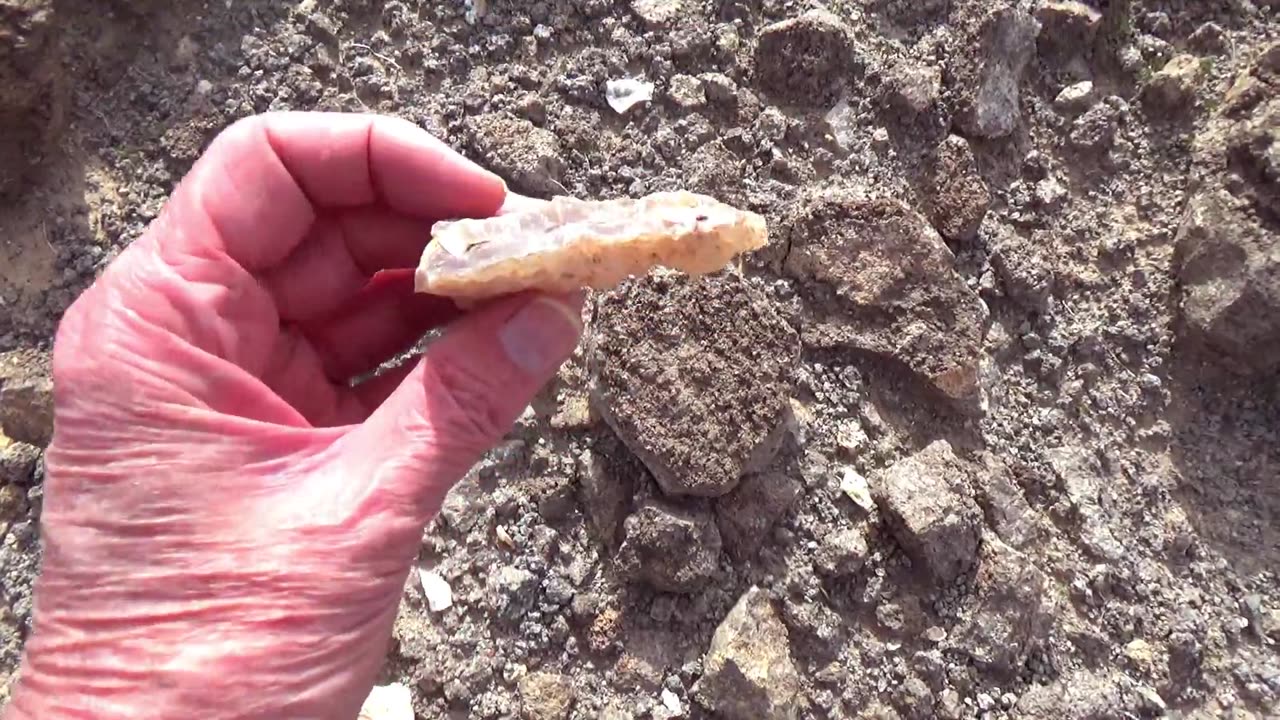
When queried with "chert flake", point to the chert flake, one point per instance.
{"points": [[567, 244]]}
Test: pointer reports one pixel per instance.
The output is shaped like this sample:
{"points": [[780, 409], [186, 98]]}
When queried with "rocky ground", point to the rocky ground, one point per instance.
{"points": [[991, 429]]}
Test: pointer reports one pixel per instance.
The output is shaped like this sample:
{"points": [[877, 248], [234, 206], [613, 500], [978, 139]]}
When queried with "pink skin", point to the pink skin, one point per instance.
{"points": [[229, 526]]}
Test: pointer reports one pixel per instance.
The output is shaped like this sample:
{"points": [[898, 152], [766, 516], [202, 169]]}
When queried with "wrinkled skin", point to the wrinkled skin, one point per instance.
{"points": [[228, 524]]}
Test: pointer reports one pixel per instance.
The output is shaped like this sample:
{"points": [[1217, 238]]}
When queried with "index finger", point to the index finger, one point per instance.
{"points": [[262, 182]]}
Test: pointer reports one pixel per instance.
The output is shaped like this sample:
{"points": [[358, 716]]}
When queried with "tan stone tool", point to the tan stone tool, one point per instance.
{"points": [[568, 244]]}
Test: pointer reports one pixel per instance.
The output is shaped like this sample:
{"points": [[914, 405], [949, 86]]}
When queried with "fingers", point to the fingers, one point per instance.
{"points": [[370, 394], [464, 396], [387, 317], [515, 202], [255, 193], [337, 258], [296, 374]]}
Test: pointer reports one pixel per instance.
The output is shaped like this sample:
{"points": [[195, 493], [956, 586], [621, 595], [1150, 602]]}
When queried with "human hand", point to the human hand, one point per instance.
{"points": [[227, 525]]}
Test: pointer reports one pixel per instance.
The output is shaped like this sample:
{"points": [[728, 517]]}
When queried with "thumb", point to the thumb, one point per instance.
{"points": [[465, 395]]}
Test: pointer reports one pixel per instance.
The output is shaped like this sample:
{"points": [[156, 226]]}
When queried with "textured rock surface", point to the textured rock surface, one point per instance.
{"points": [[914, 88], [842, 552], [700, 406], [545, 696], [1231, 279], [1085, 491], [658, 13], [672, 548], [1228, 247], [1012, 613], [748, 671], [925, 500], [1005, 506], [990, 88], [17, 462], [956, 194], [26, 397], [803, 60], [605, 487], [1068, 27], [1173, 88], [879, 278]]}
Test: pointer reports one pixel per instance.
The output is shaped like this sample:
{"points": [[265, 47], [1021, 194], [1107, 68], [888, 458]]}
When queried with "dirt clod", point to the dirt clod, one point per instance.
{"points": [[804, 60], [958, 196], [526, 156], [700, 406], [878, 278], [674, 549], [26, 397], [33, 88]]}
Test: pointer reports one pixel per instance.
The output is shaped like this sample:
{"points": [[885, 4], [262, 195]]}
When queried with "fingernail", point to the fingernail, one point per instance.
{"points": [[542, 335]]}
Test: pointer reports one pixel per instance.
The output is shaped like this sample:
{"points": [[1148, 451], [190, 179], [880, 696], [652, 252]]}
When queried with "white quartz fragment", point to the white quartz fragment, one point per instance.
{"points": [[387, 702], [627, 92], [436, 588]]}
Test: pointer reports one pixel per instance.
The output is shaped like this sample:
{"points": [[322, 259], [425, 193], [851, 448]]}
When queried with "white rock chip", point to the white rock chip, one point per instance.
{"points": [[387, 702], [623, 94], [436, 588]]}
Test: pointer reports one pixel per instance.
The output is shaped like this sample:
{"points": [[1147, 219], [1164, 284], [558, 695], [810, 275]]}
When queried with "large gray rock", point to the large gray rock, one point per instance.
{"points": [[673, 549], [993, 47], [927, 504], [1228, 248], [26, 397], [803, 60], [695, 376], [1013, 611], [877, 277], [748, 673]]}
